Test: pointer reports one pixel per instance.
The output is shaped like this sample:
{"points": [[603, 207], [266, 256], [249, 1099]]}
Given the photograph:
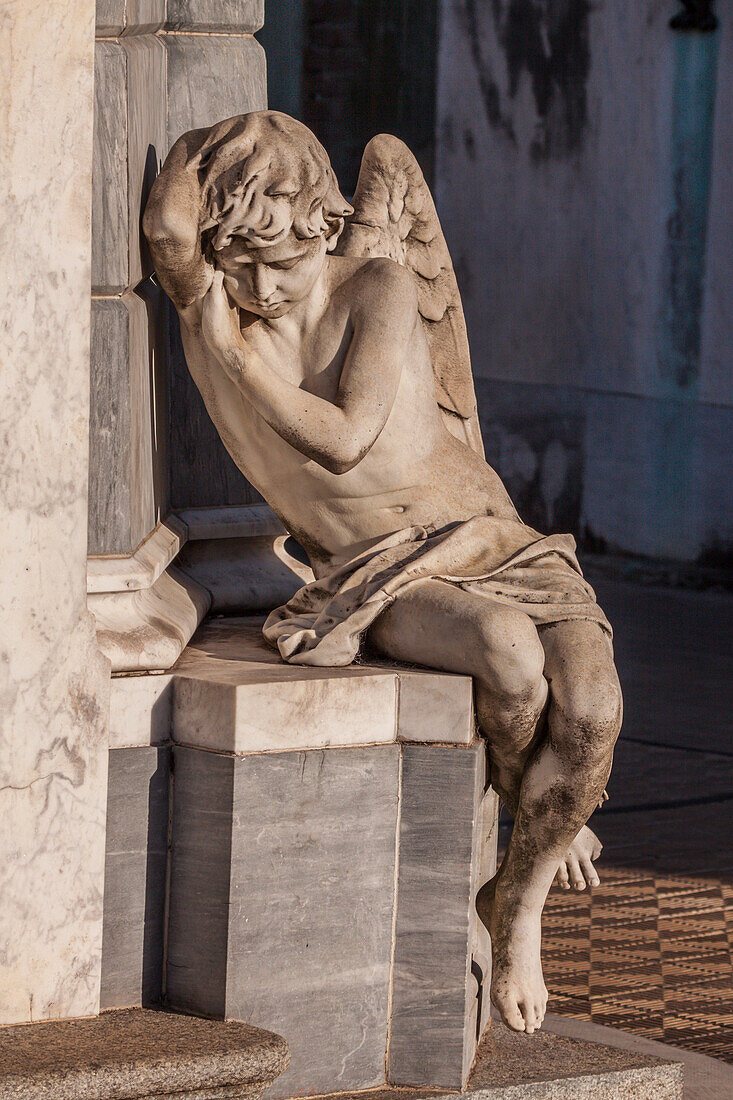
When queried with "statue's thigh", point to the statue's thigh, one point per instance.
{"points": [[438, 625]]}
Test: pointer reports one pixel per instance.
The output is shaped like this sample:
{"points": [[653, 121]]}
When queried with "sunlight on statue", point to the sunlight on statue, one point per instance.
{"points": [[329, 346]]}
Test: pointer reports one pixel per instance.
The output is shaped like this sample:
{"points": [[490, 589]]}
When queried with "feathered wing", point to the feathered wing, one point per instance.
{"points": [[394, 216]]}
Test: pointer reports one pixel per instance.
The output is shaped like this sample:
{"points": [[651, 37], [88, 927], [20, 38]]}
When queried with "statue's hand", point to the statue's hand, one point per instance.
{"points": [[220, 321]]}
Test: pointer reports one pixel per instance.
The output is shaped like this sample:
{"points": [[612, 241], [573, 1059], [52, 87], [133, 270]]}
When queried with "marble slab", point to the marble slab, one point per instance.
{"points": [[135, 877], [431, 1040], [435, 707], [140, 709], [282, 893], [233, 693], [242, 16], [129, 139], [211, 77]]}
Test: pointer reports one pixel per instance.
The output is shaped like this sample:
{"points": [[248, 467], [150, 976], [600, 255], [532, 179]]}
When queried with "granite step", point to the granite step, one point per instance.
{"points": [[138, 1054], [544, 1066]]}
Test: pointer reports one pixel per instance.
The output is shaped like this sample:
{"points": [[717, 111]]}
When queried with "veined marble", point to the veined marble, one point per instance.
{"points": [[53, 680]]}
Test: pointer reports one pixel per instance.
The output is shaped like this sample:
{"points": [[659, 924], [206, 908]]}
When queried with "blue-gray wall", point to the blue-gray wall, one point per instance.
{"points": [[584, 179]]}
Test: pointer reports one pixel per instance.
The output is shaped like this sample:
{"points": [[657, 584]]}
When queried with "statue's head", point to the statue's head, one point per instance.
{"points": [[272, 209]]}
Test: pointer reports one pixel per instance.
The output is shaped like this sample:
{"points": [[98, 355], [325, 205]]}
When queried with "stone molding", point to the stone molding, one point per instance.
{"points": [[230, 560], [142, 568], [147, 629]]}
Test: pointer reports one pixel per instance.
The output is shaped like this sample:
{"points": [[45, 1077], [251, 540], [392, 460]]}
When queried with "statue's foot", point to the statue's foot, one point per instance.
{"points": [[577, 869], [517, 987]]}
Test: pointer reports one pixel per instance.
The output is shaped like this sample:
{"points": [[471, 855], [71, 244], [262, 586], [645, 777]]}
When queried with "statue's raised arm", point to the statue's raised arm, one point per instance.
{"points": [[174, 219], [395, 216]]}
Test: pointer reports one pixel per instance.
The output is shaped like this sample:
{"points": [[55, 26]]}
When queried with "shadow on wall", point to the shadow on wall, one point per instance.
{"points": [[539, 454]]}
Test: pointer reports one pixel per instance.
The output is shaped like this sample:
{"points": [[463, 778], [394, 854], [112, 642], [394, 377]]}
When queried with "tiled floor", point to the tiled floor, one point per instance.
{"points": [[647, 954], [651, 950]]}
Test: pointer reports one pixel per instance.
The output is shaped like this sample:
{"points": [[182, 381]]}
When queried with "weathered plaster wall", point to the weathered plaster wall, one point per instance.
{"points": [[53, 682], [584, 183]]}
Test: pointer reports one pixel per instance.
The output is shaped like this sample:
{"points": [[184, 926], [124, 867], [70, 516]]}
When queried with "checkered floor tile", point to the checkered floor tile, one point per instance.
{"points": [[648, 954]]}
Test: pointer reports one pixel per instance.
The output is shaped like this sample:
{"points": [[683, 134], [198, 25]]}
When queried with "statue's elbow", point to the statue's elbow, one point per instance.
{"points": [[338, 464], [345, 459]]}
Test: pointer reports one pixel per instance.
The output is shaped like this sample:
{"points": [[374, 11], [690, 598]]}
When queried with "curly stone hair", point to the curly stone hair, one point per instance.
{"points": [[264, 175]]}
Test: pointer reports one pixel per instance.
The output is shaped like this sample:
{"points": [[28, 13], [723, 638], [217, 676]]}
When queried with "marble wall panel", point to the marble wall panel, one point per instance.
{"points": [[199, 906], [54, 690], [431, 1041], [146, 138], [126, 458], [307, 910], [109, 433], [242, 16], [311, 946], [129, 141], [135, 876], [115, 17], [110, 261], [211, 77], [202, 473]]}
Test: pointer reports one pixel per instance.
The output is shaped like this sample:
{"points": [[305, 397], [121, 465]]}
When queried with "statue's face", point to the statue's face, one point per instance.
{"points": [[269, 281]]}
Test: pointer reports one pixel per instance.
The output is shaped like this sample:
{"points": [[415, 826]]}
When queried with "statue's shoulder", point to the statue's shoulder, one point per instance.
{"points": [[374, 283]]}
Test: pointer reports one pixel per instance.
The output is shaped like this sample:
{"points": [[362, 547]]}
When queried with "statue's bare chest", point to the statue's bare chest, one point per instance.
{"points": [[311, 359]]}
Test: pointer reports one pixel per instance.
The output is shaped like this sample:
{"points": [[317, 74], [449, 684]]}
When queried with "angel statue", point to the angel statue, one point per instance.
{"points": [[329, 346]]}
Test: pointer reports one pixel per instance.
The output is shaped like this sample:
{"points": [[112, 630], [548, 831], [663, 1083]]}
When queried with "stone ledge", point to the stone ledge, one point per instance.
{"points": [[137, 1054], [544, 1066], [231, 692]]}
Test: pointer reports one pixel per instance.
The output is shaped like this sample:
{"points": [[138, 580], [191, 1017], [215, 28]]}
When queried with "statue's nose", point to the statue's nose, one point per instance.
{"points": [[262, 285]]}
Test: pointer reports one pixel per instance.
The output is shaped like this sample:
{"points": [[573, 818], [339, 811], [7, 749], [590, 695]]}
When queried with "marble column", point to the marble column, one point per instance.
{"points": [[53, 682]]}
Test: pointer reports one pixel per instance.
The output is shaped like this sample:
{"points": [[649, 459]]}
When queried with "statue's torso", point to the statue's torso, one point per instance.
{"points": [[415, 472]]}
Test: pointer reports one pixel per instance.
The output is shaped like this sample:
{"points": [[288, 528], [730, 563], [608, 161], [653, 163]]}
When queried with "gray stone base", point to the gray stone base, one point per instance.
{"points": [[544, 1066], [138, 1055]]}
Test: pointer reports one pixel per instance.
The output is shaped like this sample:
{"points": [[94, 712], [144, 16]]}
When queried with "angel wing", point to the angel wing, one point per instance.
{"points": [[394, 216]]}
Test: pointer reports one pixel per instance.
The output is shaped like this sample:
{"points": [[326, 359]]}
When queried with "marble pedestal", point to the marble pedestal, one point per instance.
{"points": [[329, 831]]}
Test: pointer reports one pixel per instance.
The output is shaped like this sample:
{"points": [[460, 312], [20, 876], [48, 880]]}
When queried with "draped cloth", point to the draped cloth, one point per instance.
{"points": [[499, 560]]}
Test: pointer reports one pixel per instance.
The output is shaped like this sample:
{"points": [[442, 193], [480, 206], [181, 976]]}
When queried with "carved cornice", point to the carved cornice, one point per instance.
{"points": [[229, 559], [142, 568]]}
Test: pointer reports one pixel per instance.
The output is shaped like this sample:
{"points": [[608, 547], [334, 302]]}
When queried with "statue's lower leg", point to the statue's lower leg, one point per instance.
{"points": [[560, 788], [511, 744]]}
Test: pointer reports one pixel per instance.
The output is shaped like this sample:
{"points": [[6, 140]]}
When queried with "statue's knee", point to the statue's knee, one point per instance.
{"points": [[592, 719]]}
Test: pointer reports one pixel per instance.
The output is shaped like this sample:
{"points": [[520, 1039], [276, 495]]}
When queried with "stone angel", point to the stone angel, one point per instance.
{"points": [[328, 343]]}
